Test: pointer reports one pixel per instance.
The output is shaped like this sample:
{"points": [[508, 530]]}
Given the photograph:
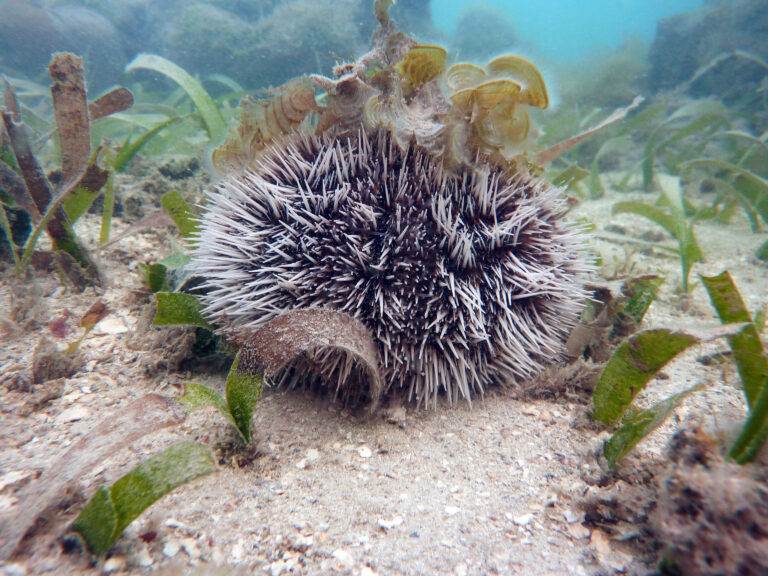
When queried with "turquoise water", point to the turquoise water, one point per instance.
{"points": [[567, 30]]}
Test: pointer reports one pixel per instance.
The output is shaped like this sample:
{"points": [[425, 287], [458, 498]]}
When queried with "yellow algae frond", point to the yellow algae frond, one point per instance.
{"points": [[464, 75], [422, 63], [495, 92], [535, 91]]}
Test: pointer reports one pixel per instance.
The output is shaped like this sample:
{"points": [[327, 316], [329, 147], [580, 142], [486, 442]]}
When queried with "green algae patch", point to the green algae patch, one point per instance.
{"points": [[631, 367], [242, 392], [748, 353], [636, 425], [112, 509], [179, 309]]}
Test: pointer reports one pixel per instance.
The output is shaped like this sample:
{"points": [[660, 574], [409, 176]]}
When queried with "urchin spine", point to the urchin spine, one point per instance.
{"points": [[463, 277]]}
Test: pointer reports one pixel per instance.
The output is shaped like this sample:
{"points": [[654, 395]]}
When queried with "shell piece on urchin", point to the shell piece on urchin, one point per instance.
{"points": [[463, 277]]}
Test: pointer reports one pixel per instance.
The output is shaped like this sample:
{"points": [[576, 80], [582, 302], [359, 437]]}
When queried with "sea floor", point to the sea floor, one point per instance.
{"points": [[495, 488]]}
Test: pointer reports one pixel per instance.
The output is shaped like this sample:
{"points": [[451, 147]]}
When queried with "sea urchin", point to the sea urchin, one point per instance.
{"points": [[464, 276]]}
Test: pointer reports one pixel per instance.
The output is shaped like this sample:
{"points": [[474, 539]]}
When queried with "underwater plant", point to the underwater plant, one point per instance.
{"points": [[670, 213], [52, 210], [403, 199], [111, 509], [637, 361]]}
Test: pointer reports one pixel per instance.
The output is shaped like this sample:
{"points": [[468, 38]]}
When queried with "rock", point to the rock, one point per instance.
{"points": [[302, 543], [279, 567], [613, 559], [171, 548], [189, 545], [13, 569], [571, 516], [523, 520], [237, 552], [114, 564], [364, 452], [73, 414], [15, 479], [343, 557], [386, 524], [7, 502], [687, 42], [452, 510], [111, 325], [144, 558], [578, 531]]}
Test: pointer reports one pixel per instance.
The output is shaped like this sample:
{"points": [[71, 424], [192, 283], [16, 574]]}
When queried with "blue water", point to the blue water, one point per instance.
{"points": [[568, 30]]}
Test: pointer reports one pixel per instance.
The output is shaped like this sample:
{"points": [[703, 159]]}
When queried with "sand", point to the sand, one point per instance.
{"points": [[494, 488]]}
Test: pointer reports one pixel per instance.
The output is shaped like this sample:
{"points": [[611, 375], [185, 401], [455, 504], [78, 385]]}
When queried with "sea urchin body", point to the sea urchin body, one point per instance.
{"points": [[464, 277]]}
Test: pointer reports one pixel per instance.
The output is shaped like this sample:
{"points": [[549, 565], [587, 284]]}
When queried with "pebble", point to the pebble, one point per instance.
{"points": [[571, 517], [312, 456], [236, 554], [73, 414], [189, 545], [13, 570], [579, 531], [279, 567], [144, 558], [114, 564], [451, 510], [460, 570], [302, 543], [6, 503], [343, 556], [15, 479], [386, 524], [523, 520], [171, 548], [110, 325], [367, 571], [364, 452]]}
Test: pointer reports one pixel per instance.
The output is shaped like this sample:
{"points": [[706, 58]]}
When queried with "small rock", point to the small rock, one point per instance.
{"points": [[175, 524], [460, 570], [523, 520], [278, 568], [313, 455], [114, 564], [13, 570], [15, 479], [578, 531], [614, 559], [171, 548], [367, 571], [451, 510], [144, 558], [343, 556], [189, 545], [110, 325], [73, 414], [365, 452], [236, 554], [302, 543], [571, 517], [7, 502], [386, 524]]}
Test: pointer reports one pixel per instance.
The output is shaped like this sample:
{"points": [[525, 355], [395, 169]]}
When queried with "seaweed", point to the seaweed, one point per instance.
{"points": [[110, 510], [241, 393], [638, 360], [672, 218], [209, 112], [55, 210]]}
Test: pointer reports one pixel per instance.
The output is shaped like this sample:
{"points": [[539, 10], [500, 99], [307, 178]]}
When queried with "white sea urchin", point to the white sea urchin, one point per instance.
{"points": [[464, 277]]}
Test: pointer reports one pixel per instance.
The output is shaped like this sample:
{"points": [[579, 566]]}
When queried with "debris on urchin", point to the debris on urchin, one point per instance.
{"points": [[464, 277]]}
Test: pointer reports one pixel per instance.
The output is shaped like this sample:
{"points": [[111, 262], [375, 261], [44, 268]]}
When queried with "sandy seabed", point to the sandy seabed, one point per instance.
{"points": [[495, 488]]}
